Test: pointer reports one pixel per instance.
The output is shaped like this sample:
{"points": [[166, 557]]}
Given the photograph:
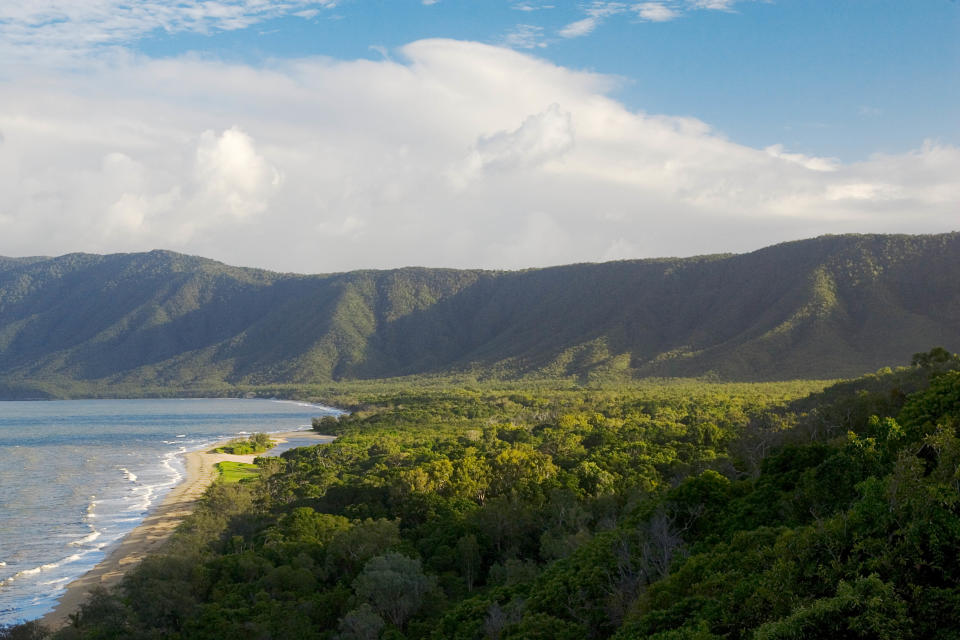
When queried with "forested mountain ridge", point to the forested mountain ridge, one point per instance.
{"points": [[826, 307]]}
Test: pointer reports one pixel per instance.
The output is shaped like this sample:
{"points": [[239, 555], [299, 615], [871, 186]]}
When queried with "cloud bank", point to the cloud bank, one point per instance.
{"points": [[459, 154]]}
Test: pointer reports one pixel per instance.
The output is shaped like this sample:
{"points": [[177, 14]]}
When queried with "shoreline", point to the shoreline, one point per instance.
{"points": [[149, 536]]}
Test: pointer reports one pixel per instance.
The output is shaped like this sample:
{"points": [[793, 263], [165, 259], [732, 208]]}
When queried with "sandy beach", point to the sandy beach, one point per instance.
{"points": [[156, 528]]}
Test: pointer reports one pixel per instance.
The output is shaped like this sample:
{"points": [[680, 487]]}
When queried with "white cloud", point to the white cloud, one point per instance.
{"points": [[661, 11], [579, 28], [531, 6], [716, 5], [525, 36], [620, 249], [541, 137], [460, 155], [596, 13], [59, 30], [534, 234], [655, 12], [809, 162], [232, 179]]}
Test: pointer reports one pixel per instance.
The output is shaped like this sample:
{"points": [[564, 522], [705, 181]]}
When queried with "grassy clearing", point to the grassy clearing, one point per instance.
{"points": [[231, 472]]}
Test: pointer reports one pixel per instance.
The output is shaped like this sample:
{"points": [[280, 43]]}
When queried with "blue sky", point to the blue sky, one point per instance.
{"points": [[323, 136]]}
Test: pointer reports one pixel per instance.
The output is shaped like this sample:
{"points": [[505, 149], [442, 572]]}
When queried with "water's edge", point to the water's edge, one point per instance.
{"points": [[47, 546]]}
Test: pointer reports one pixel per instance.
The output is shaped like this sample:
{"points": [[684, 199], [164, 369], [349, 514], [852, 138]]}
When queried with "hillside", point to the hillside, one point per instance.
{"points": [[827, 307]]}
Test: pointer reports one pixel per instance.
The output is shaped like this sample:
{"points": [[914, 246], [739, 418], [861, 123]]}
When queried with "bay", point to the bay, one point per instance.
{"points": [[78, 475]]}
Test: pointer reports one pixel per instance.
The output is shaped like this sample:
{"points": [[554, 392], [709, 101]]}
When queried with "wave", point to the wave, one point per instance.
{"points": [[297, 403], [131, 476], [311, 405], [57, 582], [44, 567], [167, 463], [144, 496], [90, 537]]}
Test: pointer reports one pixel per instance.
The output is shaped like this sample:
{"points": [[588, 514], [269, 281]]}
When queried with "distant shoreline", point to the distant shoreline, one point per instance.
{"points": [[151, 534]]}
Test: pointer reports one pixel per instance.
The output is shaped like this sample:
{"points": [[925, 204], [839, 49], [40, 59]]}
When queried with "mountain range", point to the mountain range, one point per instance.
{"points": [[828, 307]]}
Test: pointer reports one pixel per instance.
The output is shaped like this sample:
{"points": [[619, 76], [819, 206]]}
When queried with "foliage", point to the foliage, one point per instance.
{"points": [[257, 443], [638, 513], [394, 585], [32, 630]]}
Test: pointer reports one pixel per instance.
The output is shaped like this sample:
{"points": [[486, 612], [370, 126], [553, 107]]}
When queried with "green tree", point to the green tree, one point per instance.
{"points": [[394, 585], [303, 524], [468, 555], [868, 609], [362, 623]]}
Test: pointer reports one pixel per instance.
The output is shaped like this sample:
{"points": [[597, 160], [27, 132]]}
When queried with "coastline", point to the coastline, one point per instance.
{"points": [[151, 534]]}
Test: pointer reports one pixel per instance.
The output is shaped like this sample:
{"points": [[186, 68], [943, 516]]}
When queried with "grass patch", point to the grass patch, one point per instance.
{"points": [[231, 472]]}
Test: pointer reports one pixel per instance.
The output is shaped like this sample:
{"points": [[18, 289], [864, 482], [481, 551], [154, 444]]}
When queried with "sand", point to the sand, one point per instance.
{"points": [[156, 528]]}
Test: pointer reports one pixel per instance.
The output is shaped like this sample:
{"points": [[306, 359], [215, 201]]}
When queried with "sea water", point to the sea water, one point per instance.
{"points": [[77, 475]]}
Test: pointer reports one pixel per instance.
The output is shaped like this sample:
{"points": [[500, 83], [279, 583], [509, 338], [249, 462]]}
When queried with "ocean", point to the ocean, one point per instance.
{"points": [[77, 475]]}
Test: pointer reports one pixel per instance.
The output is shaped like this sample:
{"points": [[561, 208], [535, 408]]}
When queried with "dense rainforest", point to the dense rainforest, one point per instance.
{"points": [[684, 511], [161, 323]]}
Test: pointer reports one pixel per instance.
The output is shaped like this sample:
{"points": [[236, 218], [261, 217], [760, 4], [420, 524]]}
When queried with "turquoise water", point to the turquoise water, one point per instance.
{"points": [[77, 475]]}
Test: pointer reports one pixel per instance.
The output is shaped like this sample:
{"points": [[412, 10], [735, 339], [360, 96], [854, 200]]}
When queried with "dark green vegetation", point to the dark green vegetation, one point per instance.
{"points": [[231, 472], [257, 443], [162, 323], [710, 511]]}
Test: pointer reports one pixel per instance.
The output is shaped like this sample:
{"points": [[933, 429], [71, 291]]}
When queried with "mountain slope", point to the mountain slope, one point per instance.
{"points": [[826, 307]]}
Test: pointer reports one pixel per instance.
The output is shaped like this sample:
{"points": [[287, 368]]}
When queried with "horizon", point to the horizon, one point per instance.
{"points": [[318, 137], [507, 270]]}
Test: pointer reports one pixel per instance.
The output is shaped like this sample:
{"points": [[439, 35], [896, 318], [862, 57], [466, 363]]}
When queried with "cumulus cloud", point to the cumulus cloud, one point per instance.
{"points": [[454, 154], [232, 179], [541, 137]]}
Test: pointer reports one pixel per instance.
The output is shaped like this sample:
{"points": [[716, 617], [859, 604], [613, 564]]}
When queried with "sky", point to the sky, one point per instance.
{"points": [[347, 134]]}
